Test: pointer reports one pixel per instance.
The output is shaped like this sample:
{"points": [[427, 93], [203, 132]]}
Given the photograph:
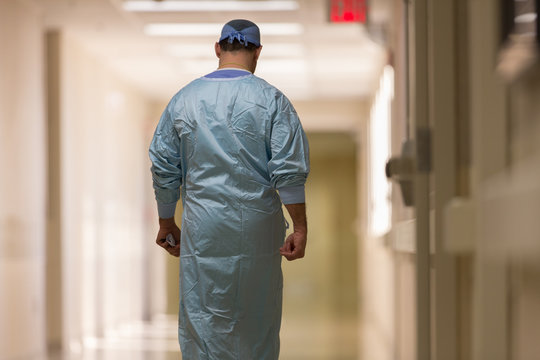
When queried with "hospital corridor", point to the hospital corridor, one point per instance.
{"points": [[423, 196]]}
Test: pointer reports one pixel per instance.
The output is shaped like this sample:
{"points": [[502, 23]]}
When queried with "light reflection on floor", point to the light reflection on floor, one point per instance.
{"points": [[314, 339]]}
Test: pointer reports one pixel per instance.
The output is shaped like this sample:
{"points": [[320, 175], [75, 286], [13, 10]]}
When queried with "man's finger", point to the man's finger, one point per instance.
{"points": [[162, 243], [298, 253], [175, 251], [290, 255], [290, 244], [165, 245]]}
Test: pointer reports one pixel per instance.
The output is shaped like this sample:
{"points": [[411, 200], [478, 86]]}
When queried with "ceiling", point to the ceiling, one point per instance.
{"points": [[323, 61]]}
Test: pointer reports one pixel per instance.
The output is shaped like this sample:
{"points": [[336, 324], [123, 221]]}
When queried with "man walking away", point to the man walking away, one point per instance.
{"points": [[232, 146]]}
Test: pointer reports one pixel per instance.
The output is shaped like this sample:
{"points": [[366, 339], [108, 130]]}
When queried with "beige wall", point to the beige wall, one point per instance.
{"points": [[485, 285], [378, 267], [505, 178], [106, 275], [22, 181], [327, 276], [331, 115], [321, 291], [524, 280], [164, 269]]}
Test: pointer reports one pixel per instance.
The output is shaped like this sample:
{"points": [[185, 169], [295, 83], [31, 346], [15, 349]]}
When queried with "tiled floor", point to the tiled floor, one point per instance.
{"points": [[314, 339]]}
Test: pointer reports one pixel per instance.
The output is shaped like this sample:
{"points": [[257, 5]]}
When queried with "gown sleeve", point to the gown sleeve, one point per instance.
{"points": [[166, 165], [289, 162]]}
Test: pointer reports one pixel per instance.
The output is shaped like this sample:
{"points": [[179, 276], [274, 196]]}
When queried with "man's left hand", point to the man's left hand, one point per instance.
{"points": [[295, 245]]}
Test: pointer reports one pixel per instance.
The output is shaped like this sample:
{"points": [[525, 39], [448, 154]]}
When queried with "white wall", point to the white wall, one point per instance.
{"points": [[104, 176], [378, 275], [22, 181]]}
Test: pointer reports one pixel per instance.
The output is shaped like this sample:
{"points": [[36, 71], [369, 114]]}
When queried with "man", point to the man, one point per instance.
{"points": [[227, 142]]}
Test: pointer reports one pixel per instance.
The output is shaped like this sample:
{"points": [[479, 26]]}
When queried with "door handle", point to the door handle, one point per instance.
{"points": [[401, 169]]}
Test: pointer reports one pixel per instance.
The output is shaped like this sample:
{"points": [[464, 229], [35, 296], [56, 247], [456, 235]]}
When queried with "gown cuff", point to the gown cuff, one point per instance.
{"points": [[292, 194], [166, 211]]}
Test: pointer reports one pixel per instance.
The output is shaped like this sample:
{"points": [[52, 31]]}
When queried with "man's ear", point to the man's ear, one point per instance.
{"points": [[258, 52], [217, 49]]}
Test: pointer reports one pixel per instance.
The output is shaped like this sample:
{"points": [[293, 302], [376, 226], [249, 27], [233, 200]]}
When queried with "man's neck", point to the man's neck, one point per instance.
{"points": [[237, 62], [234, 65]]}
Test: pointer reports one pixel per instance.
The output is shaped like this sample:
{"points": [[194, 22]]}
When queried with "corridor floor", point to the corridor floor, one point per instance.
{"points": [[300, 340]]}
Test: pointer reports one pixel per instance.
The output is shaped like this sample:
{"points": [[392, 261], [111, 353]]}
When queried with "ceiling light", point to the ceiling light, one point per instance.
{"points": [[179, 6], [214, 29]]}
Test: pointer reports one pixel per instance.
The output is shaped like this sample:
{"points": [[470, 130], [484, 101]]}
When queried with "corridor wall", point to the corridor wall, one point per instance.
{"points": [[102, 174], [22, 182], [379, 278], [484, 130], [505, 178]]}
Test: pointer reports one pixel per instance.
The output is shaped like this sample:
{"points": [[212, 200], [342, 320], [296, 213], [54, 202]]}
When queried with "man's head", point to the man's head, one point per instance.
{"points": [[240, 41], [240, 33]]}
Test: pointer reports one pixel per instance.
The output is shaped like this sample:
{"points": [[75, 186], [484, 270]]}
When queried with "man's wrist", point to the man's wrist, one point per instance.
{"points": [[298, 216], [167, 222]]}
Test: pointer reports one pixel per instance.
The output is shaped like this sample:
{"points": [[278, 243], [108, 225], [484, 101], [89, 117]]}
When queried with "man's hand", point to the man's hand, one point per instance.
{"points": [[168, 226], [295, 246]]}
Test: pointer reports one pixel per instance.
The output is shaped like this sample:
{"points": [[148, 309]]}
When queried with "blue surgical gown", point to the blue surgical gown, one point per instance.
{"points": [[227, 142]]}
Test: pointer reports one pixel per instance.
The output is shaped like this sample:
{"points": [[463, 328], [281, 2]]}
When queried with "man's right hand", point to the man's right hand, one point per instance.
{"points": [[168, 226]]}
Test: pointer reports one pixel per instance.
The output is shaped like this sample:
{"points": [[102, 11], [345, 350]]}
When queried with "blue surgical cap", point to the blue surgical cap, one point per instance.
{"points": [[242, 30]]}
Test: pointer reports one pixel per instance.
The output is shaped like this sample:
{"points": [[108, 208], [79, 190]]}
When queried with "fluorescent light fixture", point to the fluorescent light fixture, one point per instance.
{"points": [[380, 207], [176, 29], [181, 6], [525, 18], [214, 29], [283, 29]]}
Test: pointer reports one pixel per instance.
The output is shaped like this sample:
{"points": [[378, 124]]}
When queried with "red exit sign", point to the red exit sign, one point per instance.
{"points": [[343, 11]]}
